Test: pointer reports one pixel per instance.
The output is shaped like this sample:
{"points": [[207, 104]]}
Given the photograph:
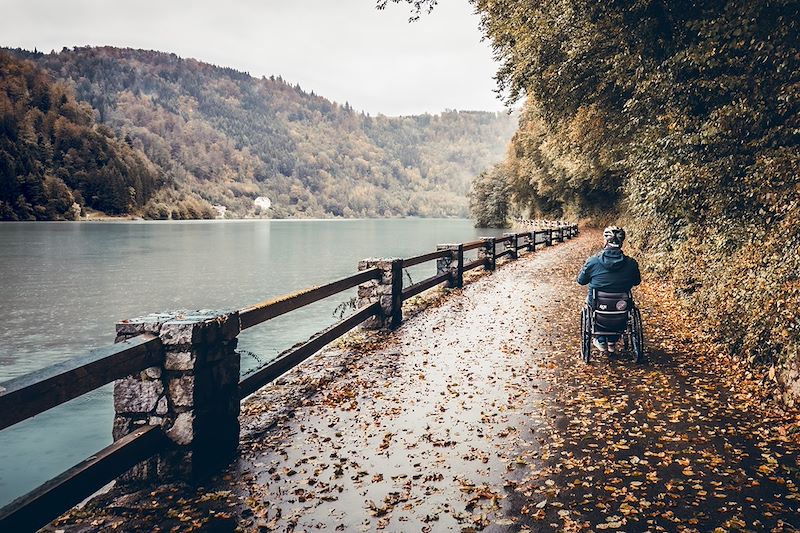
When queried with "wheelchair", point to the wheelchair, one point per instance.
{"points": [[612, 313]]}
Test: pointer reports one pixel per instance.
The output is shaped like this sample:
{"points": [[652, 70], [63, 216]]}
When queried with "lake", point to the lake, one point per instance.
{"points": [[64, 285]]}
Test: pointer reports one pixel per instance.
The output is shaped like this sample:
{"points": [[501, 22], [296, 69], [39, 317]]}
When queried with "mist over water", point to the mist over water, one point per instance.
{"points": [[64, 285]]}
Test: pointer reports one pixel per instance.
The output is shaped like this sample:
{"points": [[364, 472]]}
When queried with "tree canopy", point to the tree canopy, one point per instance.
{"points": [[54, 157]]}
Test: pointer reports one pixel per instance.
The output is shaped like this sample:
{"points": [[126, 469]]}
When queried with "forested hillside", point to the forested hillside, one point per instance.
{"points": [[226, 138], [683, 120], [54, 158]]}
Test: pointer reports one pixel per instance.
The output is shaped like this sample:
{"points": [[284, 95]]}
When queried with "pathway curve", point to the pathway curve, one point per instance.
{"points": [[477, 414]]}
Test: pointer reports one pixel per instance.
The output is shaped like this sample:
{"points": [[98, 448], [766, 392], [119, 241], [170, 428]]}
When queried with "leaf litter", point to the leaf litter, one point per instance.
{"points": [[478, 415]]}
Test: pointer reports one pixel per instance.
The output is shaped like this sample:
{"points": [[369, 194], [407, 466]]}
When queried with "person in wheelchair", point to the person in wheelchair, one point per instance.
{"points": [[609, 271]]}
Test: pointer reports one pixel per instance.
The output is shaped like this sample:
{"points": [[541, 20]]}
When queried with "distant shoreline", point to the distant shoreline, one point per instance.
{"points": [[121, 219]]}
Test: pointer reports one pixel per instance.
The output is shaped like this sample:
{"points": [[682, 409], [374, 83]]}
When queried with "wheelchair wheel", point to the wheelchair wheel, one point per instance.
{"points": [[586, 336], [638, 337]]}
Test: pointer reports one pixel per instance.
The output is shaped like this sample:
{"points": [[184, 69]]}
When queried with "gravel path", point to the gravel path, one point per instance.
{"points": [[477, 414]]}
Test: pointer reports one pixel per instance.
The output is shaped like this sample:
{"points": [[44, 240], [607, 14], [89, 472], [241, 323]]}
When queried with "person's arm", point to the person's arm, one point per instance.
{"points": [[585, 276], [635, 274]]}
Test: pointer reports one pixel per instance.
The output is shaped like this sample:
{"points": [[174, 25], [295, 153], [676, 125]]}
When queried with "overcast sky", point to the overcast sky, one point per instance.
{"points": [[345, 50]]}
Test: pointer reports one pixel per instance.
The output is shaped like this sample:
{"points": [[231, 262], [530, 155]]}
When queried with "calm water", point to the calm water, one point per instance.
{"points": [[64, 285]]}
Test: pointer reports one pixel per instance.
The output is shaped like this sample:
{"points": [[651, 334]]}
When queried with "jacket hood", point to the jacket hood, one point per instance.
{"points": [[612, 258]]}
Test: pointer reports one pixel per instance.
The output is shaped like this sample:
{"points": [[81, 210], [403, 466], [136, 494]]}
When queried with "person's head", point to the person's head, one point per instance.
{"points": [[614, 236]]}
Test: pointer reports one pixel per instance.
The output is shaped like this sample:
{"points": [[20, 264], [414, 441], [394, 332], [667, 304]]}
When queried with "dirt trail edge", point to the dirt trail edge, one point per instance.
{"points": [[478, 414]]}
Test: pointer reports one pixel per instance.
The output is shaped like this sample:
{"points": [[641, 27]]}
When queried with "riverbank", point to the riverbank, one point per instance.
{"points": [[478, 414], [98, 216]]}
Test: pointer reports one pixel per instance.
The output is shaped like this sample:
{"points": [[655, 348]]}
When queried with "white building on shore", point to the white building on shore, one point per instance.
{"points": [[263, 203]]}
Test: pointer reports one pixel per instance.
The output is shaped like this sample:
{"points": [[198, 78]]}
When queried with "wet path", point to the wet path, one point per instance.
{"points": [[478, 415], [422, 434]]}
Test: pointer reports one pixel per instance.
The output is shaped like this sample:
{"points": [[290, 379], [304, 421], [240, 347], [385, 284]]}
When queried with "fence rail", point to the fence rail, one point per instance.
{"points": [[424, 258], [294, 356], [36, 392], [474, 245], [261, 312], [50, 500], [474, 264], [425, 284]]}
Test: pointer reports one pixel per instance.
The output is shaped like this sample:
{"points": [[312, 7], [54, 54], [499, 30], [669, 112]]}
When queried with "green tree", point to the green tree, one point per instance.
{"points": [[491, 198]]}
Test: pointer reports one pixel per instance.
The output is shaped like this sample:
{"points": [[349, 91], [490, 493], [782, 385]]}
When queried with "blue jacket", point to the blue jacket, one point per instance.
{"points": [[610, 271]]}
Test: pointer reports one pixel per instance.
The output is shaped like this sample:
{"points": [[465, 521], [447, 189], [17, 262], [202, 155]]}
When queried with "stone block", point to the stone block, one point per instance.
{"points": [[182, 430], [153, 372], [181, 391], [136, 396], [386, 303], [183, 360], [144, 324], [162, 407], [122, 426], [366, 291], [179, 332], [383, 290]]}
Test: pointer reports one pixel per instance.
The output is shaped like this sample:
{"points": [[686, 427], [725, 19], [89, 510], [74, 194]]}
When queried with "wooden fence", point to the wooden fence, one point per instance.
{"points": [[28, 395]]}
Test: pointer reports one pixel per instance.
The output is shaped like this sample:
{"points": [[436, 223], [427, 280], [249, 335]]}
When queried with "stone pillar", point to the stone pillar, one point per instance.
{"points": [[451, 263], [193, 394], [511, 244], [488, 253], [459, 258], [387, 290]]}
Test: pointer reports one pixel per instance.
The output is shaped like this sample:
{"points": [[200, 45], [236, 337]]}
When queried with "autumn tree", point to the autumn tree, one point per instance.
{"points": [[681, 117]]}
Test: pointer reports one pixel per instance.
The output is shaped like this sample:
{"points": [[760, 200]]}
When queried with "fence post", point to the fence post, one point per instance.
{"points": [[531, 241], [388, 290], [397, 294], [488, 253], [511, 244], [193, 394], [549, 241], [460, 268], [454, 264]]}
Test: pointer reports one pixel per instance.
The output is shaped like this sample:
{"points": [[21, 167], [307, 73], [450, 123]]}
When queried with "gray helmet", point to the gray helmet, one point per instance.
{"points": [[614, 236]]}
